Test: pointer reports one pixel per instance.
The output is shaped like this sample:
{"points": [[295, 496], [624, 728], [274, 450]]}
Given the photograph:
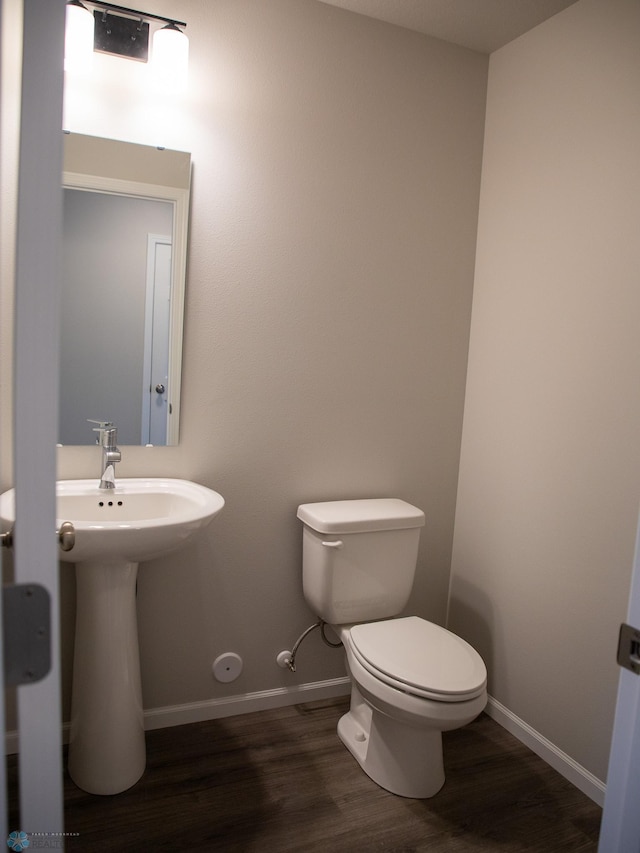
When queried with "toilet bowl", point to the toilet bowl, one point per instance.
{"points": [[403, 696], [411, 680]]}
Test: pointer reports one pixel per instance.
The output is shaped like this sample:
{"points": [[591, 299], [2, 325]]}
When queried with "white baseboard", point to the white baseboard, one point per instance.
{"points": [[244, 703], [212, 709], [11, 745], [589, 784]]}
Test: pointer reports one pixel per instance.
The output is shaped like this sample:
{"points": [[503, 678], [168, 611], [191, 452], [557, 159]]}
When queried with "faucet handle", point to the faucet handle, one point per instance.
{"points": [[102, 429]]}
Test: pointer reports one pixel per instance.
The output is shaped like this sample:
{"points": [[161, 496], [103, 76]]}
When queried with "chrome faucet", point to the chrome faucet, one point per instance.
{"points": [[107, 438]]}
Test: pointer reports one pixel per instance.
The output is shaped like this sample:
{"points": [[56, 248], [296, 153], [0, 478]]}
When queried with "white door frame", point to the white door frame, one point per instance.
{"points": [[620, 829], [37, 290], [3, 724], [155, 330]]}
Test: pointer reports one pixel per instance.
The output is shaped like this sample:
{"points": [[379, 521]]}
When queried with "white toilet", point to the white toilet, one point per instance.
{"points": [[410, 679]]}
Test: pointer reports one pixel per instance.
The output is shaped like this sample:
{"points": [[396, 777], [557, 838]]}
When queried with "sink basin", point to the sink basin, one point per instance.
{"points": [[140, 519], [115, 529]]}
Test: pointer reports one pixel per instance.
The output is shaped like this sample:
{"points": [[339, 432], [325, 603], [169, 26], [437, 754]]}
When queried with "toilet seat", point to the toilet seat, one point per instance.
{"points": [[419, 658]]}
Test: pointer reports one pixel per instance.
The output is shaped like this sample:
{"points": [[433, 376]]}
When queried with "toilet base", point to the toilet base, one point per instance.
{"points": [[402, 759]]}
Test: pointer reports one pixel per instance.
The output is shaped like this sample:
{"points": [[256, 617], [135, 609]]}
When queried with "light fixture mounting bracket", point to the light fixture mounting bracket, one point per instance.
{"points": [[120, 36]]}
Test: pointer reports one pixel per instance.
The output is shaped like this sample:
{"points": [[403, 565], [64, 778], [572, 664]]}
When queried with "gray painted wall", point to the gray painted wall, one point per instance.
{"points": [[336, 175], [550, 466]]}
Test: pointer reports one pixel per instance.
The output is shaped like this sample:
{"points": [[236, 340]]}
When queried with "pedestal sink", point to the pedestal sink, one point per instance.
{"points": [[115, 529]]}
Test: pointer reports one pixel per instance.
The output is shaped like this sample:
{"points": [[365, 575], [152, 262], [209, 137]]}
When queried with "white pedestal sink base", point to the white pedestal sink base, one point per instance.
{"points": [[107, 747], [140, 519]]}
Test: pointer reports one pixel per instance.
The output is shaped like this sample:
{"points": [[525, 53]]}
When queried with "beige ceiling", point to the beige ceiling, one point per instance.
{"points": [[483, 25]]}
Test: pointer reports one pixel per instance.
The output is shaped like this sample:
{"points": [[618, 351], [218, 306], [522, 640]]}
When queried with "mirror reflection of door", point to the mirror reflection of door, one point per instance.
{"points": [[155, 388], [104, 300]]}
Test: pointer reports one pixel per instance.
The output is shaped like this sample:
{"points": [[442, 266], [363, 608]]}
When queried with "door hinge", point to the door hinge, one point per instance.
{"points": [[629, 648], [26, 614]]}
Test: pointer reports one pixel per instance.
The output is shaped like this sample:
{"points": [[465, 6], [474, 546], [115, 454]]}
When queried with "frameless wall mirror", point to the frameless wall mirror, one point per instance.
{"points": [[125, 225]]}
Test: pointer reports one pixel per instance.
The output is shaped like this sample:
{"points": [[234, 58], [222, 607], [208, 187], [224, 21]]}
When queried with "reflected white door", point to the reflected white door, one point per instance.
{"points": [[37, 280], [155, 392]]}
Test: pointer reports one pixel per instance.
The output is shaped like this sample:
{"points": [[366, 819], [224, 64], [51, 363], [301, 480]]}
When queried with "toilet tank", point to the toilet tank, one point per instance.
{"points": [[359, 557]]}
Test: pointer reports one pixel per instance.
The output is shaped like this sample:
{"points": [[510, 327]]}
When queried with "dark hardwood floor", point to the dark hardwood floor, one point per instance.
{"points": [[280, 780]]}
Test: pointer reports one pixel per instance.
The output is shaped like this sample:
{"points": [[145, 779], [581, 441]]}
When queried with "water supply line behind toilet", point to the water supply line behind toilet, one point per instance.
{"points": [[288, 659]]}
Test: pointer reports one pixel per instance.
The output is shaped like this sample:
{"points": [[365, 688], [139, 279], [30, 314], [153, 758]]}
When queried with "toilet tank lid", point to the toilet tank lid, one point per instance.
{"points": [[360, 516]]}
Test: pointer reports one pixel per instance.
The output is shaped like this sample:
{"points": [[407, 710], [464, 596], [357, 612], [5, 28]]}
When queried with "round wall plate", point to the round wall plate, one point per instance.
{"points": [[227, 666]]}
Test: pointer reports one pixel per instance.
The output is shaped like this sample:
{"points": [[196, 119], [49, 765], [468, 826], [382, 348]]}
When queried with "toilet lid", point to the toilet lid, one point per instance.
{"points": [[418, 656]]}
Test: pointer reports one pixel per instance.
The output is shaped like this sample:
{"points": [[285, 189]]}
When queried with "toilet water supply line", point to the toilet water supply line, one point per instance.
{"points": [[290, 660]]}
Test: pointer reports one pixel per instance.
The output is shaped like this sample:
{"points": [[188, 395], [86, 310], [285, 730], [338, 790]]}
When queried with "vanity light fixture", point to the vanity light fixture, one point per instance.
{"points": [[78, 36], [170, 56], [124, 32]]}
